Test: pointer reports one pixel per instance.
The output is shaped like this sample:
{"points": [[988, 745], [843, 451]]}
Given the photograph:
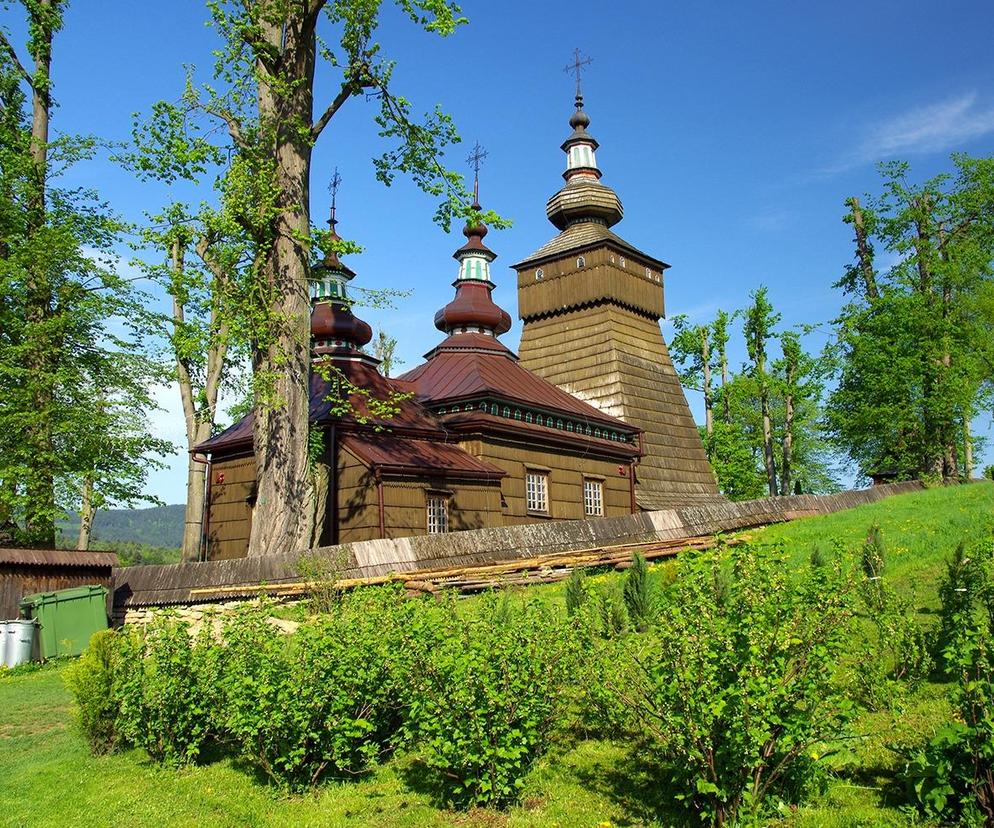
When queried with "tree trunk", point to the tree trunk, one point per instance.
{"points": [[86, 513], [863, 251], [196, 494], [40, 511], [281, 522], [706, 366], [967, 447], [768, 458], [788, 444], [724, 386]]}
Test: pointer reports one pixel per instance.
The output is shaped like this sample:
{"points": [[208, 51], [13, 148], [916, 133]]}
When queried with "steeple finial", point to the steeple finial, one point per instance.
{"points": [[333, 185], [475, 159], [576, 68]]}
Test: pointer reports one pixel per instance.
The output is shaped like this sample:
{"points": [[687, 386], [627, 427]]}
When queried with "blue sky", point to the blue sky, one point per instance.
{"points": [[731, 131]]}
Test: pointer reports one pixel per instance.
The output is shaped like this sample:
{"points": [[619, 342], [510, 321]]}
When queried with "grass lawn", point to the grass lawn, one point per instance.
{"points": [[48, 777]]}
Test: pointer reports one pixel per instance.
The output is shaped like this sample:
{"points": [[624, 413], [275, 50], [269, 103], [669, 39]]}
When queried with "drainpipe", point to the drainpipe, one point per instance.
{"points": [[205, 515], [379, 497], [631, 486]]}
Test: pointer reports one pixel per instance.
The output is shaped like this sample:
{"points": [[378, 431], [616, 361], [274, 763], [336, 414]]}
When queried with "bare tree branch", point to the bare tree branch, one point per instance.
{"points": [[9, 49], [347, 91]]}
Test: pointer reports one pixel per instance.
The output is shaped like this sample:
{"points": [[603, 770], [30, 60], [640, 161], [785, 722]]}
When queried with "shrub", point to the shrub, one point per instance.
{"points": [[989, 472], [90, 679], [576, 592], [326, 700], [952, 776], [165, 686], [612, 615], [740, 682], [486, 699], [638, 594]]}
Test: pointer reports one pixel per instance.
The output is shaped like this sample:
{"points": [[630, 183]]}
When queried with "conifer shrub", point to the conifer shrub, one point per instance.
{"points": [[740, 680], [90, 680], [576, 592], [638, 594], [486, 700], [951, 777], [165, 685]]}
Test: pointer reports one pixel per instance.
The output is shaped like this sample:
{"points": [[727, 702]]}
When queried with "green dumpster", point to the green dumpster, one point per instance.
{"points": [[67, 618]]}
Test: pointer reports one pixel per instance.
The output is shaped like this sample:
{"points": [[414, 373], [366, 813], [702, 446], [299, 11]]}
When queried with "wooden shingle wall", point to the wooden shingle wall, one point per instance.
{"points": [[231, 489]]}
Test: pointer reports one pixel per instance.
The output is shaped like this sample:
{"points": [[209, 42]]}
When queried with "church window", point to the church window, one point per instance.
{"points": [[483, 407], [441, 410], [507, 411], [539, 419], [559, 424], [648, 273], [493, 409], [537, 491], [438, 514], [581, 262], [569, 426], [469, 407], [622, 260], [528, 417], [539, 274], [589, 431], [517, 413], [597, 432], [593, 497]]}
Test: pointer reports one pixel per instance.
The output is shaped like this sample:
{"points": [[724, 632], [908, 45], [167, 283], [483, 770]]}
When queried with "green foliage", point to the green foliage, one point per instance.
{"points": [[90, 679], [326, 700], [989, 472], [741, 683], [638, 594], [612, 614], [322, 573], [913, 353], [733, 458], [486, 699], [952, 776], [576, 592], [166, 688]]}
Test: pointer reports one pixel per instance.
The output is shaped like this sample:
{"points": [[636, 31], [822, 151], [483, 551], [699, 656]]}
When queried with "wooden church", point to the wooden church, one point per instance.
{"points": [[588, 420]]}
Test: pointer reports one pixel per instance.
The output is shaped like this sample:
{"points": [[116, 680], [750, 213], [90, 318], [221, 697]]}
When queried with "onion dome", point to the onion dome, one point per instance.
{"points": [[334, 329], [583, 198], [473, 310]]}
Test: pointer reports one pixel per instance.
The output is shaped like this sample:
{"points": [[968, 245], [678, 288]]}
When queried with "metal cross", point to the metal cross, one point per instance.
{"points": [[336, 179], [476, 160], [576, 67]]}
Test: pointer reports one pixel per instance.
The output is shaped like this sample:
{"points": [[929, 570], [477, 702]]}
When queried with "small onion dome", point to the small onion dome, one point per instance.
{"points": [[583, 198], [331, 262], [334, 322], [473, 308]]}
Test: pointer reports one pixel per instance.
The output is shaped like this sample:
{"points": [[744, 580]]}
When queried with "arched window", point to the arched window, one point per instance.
{"points": [[597, 432], [581, 262], [528, 417], [622, 261], [648, 273], [483, 407], [493, 409], [507, 411], [539, 419], [517, 413], [539, 274], [569, 426], [559, 424]]}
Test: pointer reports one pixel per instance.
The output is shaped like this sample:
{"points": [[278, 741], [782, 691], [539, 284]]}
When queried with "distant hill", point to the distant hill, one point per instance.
{"points": [[158, 526]]}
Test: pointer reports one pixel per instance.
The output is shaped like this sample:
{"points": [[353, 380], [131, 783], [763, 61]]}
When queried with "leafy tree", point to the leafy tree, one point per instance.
{"points": [[638, 595], [692, 344], [69, 320], [384, 352], [733, 459], [760, 318], [914, 346], [263, 95]]}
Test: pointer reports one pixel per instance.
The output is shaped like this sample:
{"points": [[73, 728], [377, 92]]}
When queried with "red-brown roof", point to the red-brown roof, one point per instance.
{"points": [[411, 416], [465, 366], [405, 454]]}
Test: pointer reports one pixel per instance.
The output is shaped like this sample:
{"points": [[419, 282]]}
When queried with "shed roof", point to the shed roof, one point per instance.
{"points": [[57, 557], [400, 454]]}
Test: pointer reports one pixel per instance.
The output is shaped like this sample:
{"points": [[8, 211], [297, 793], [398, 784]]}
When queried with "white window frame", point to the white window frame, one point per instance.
{"points": [[537, 491], [593, 497], [437, 514]]}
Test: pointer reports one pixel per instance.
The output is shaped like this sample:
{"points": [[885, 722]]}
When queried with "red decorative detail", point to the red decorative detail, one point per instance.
{"points": [[219, 478], [335, 321], [473, 306], [622, 471]]}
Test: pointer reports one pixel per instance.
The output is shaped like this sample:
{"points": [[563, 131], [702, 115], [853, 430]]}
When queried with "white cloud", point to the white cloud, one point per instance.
{"points": [[937, 127]]}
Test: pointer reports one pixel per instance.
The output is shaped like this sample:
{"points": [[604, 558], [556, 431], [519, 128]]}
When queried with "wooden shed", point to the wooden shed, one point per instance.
{"points": [[28, 571]]}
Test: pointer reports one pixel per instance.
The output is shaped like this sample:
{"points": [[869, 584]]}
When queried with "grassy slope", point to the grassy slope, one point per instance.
{"points": [[49, 778]]}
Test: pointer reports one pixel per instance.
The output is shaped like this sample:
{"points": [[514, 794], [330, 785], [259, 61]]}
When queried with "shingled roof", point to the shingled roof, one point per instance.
{"points": [[583, 236], [409, 455]]}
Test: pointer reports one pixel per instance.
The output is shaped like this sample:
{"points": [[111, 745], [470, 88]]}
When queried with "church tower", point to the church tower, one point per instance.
{"points": [[591, 304]]}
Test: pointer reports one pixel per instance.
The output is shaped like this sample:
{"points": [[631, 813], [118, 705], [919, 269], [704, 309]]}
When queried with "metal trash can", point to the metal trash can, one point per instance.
{"points": [[20, 639], [67, 618]]}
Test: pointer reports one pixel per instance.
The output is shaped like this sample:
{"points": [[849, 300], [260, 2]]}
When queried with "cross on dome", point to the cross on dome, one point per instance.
{"points": [[576, 69]]}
